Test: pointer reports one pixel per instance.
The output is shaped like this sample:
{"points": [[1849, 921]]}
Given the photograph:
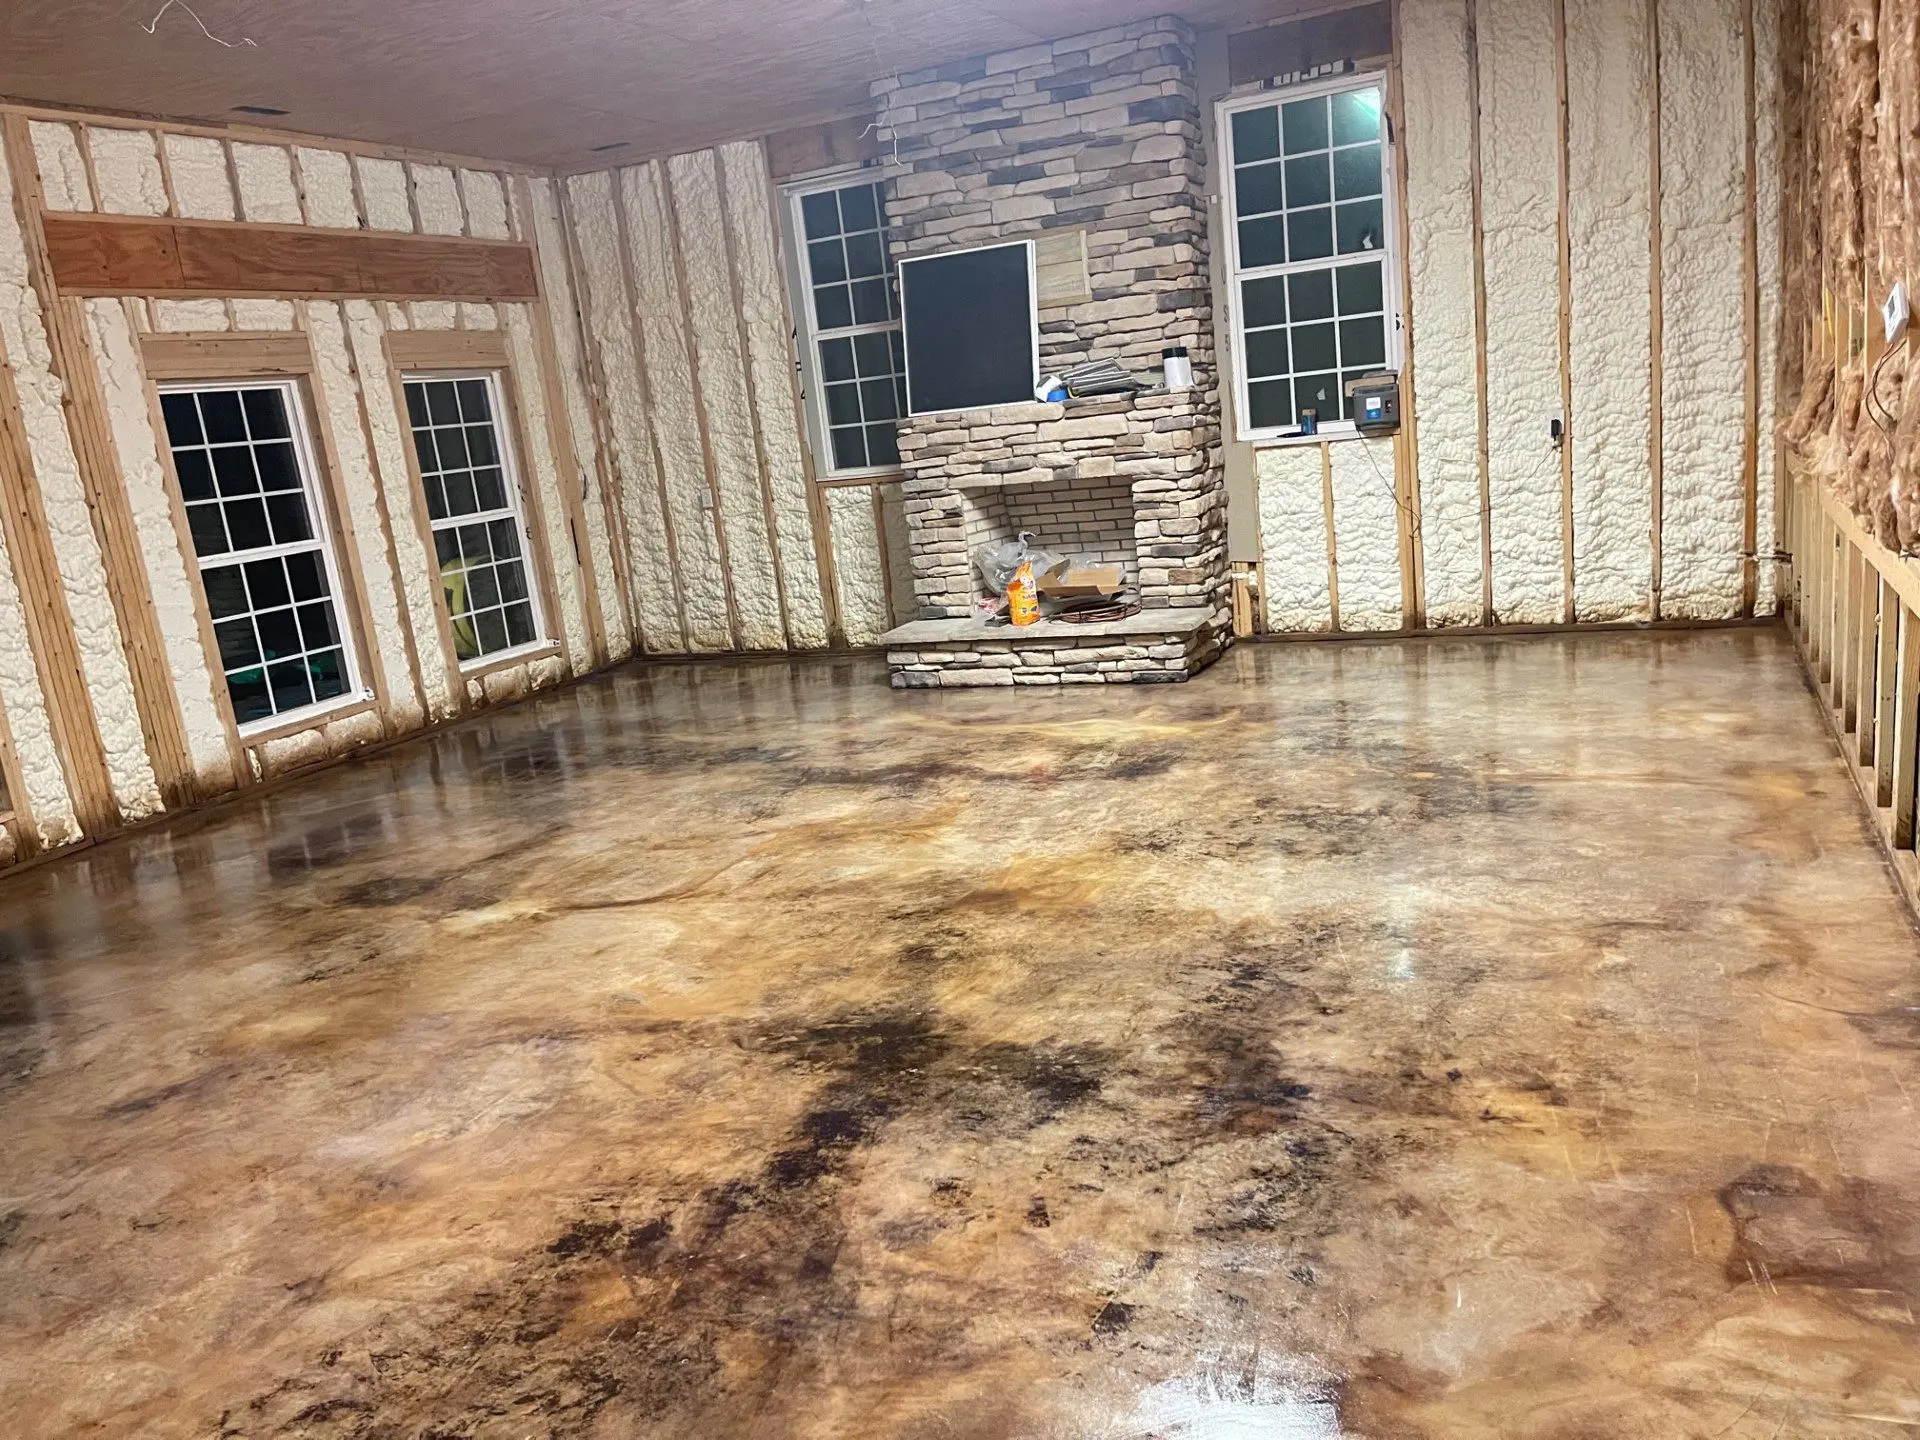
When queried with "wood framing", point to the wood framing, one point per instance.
{"points": [[1564, 238], [224, 354], [1333, 551], [70, 346], [448, 349], [1481, 457], [1656, 428], [1406, 450], [568, 470], [183, 259]]}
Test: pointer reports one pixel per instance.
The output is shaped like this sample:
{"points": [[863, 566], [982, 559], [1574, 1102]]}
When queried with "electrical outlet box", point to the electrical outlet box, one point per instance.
{"points": [[1556, 423], [1895, 313]]}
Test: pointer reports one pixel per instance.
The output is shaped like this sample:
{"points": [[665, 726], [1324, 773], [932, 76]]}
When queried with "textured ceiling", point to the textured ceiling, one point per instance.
{"points": [[535, 81]]}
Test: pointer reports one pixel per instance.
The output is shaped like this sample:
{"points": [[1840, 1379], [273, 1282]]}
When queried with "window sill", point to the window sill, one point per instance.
{"points": [[258, 732], [1326, 435], [862, 477], [506, 659]]}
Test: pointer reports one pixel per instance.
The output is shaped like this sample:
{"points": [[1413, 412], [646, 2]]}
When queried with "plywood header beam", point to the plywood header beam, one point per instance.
{"points": [[115, 255]]}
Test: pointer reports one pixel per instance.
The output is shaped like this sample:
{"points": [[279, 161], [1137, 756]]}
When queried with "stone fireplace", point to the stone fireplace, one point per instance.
{"points": [[1098, 134]]}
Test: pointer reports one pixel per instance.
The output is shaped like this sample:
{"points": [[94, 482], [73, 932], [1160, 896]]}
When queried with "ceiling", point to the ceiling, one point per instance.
{"points": [[539, 82]]}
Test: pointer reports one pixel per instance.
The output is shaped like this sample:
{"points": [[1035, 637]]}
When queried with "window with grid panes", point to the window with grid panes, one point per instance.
{"points": [[1312, 243], [853, 314], [259, 534], [473, 501]]}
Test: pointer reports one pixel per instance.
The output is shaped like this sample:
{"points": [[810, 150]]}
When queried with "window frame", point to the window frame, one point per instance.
{"points": [[806, 331], [359, 691], [1392, 302], [518, 507]]}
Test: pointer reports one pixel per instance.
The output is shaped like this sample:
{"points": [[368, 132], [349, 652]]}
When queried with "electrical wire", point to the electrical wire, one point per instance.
{"points": [[153, 25], [1871, 401]]}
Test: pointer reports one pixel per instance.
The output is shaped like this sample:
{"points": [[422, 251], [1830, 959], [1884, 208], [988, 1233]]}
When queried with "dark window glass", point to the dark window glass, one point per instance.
{"points": [[225, 422], [849, 448], [1267, 353], [1263, 302], [209, 535], [832, 306], [1256, 189], [843, 404], [826, 261], [183, 419], [234, 472], [1309, 234], [226, 591], [859, 208], [247, 524], [195, 472], [1304, 122], [1307, 181], [836, 359], [238, 647], [883, 445], [1359, 288], [1356, 172], [1269, 403], [1359, 227], [473, 401], [288, 515], [1263, 242], [1363, 342], [1318, 393], [277, 467], [864, 255], [267, 584], [820, 215], [1313, 347], [1256, 135], [1310, 295], [266, 414], [870, 303]]}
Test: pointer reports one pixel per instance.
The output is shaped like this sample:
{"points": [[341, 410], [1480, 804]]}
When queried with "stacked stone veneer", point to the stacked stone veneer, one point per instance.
{"points": [[1099, 132], [1156, 453]]}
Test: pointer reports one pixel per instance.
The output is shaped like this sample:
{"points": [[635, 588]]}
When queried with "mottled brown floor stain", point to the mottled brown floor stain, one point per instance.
{"points": [[1510, 1039]]}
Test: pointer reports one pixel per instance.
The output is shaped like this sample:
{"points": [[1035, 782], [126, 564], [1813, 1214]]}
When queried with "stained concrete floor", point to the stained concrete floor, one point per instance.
{"points": [[1422, 1040]]}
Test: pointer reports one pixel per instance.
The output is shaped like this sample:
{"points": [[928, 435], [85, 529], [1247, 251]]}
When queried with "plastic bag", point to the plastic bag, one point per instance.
{"points": [[998, 561]]}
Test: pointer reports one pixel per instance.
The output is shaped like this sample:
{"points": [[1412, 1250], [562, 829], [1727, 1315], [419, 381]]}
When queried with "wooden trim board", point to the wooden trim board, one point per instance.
{"points": [[448, 349], [110, 255], [225, 354]]}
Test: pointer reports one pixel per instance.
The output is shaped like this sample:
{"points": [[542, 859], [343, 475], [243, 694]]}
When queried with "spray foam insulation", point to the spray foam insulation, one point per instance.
{"points": [[1610, 229], [179, 316], [126, 165], [557, 281], [609, 313], [478, 315], [543, 476], [383, 189], [438, 197], [202, 188], [720, 369], [169, 586], [43, 782], [418, 587], [1438, 87], [676, 420], [1293, 528], [1702, 286], [83, 578], [63, 173], [1366, 534], [1520, 209], [486, 200], [857, 563], [258, 314], [748, 192], [326, 179], [265, 177], [334, 377]]}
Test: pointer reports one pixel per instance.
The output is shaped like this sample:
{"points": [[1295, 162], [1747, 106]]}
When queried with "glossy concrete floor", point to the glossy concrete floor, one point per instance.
{"points": [[1430, 1040]]}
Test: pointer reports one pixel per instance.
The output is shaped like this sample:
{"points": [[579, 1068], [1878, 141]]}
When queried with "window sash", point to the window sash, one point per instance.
{"points": [[512, 509], [321, 543], [1386, 255], [812, 370]]}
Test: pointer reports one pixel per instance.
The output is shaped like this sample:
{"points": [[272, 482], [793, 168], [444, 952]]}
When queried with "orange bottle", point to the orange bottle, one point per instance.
{"points": [[1023, 596]]}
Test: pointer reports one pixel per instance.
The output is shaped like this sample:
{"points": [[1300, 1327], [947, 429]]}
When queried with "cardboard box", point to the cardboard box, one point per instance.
{"points": [[1070, 582]]}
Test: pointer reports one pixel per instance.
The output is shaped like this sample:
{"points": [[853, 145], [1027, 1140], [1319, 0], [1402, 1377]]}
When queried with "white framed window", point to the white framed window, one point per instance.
{"points": [[851, 355], [244, 459], [1313, 236], [475, 510]]}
